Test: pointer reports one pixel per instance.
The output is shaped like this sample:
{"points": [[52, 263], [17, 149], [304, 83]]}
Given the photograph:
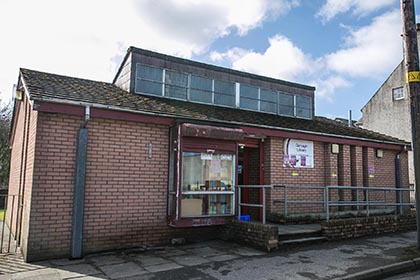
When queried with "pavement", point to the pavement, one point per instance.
{"points": [[362, 258]]}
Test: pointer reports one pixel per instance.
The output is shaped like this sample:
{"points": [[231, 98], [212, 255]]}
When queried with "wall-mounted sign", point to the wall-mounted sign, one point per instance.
{"points": [[298, 153]]}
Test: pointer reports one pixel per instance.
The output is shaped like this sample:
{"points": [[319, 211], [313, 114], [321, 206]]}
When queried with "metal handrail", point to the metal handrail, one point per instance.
{"points": [[263, 205], [327, 203]]}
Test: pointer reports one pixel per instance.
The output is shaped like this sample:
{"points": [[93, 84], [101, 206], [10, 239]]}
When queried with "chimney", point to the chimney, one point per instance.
{"points": [[350, 120]]}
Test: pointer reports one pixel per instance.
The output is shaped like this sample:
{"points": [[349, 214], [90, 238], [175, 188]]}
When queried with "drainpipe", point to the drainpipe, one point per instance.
{"points": [[79, 189]]}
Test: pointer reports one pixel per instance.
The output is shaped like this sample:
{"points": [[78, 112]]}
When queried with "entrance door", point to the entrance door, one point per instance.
{"points": [[250, 173]]}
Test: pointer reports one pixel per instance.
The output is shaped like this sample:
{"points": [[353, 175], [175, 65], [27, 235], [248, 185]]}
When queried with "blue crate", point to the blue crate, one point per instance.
{"points": [[245, 218]]}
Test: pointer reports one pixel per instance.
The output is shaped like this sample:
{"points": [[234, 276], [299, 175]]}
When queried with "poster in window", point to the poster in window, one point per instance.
{"points": [[298, 153]]}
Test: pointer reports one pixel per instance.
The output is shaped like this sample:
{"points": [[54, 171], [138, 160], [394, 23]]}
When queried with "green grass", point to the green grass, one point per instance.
{"points": [[1, 214]]}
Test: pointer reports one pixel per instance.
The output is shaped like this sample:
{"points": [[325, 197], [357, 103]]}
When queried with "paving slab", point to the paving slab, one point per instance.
{"points": [[95, 277], [147, 260], [64, 261], [40, 274], [122, 270], [223, 258], [247, 252], [204, 251], [163, 267], [190, 260], [170, 252], [102, 260], [77, 270]]}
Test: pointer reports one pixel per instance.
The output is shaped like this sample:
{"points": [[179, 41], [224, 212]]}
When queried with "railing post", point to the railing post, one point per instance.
{"points": [[285, 201], [401, 201], [263, 205], [239, 202], [327, 201], [357, 200], [367, 203]]}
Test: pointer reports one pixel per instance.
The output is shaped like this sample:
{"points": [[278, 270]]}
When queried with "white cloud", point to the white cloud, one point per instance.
{"points": [[326, 88], [332, 8], [282, 59], [371, 50], [88, 38], [368, 52]]}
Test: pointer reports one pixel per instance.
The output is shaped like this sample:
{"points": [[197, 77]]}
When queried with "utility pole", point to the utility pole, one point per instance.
{"points": [[411, 58]]}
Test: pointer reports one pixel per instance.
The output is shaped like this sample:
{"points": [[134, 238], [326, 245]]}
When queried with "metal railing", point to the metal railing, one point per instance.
{"points": [[366, 202], [9, 223], [263, 205]]}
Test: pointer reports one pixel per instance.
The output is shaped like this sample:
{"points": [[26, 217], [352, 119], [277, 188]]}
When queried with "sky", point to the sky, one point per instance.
{"points": [[345, 48]]}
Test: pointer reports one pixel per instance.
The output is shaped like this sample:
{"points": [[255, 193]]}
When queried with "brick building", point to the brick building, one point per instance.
{"points": [[157, 153], [388, 110]]}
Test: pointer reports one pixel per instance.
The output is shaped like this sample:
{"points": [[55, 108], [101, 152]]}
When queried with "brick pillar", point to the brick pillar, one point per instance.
{"points": [[331, 173], [344, 174], [368, 168], [356, 162]]}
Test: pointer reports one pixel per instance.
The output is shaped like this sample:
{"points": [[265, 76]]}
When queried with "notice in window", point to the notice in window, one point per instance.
{"points": [[298, 153]]}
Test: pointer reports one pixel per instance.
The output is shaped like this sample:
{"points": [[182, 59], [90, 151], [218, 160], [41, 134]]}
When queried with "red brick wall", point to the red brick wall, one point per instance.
{"points": [[21, 171], [279, 175], [126, 192], [352, 166]]}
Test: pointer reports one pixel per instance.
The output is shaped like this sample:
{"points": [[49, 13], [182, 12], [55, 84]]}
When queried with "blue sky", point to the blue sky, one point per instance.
{"points": [[346, 48]]}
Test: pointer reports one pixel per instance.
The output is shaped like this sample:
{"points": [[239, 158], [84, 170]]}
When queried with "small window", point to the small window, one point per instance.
{"points": [[149, 80], [201, 89], [303, 107], [286, 104], [176, 85], [248, 97], [268, 101], [398, 93], [224, 93]]}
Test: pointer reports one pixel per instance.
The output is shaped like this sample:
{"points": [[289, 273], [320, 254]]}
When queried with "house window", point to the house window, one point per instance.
{"points": [[286, 104], [207, 184], [248, 97], [176, 84], [224, 93], [201, 89], [172, 84], [303, 107], [149, 80], [398, 93]]}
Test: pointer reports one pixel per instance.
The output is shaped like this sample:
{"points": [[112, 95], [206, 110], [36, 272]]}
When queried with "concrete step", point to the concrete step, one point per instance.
{"points": [[299, 235], [301, 241]]}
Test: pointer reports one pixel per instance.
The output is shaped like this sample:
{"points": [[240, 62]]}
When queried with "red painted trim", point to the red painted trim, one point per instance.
{"points": [[320, 138], [59, 108], [245, 191], [261, 146], [127, 116], [100, 113]]}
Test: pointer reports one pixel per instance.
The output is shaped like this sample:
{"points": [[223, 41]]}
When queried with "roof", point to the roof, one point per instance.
{"points": [[53, 88], [149, 53]]}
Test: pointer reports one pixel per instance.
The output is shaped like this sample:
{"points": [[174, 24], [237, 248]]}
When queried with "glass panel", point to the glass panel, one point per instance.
{"points": [[268, 107], [303, 102], [247, 91], [207, 172], [149, 73], [200, 96], [201, 83], [286, 99], [222, 99], [176, 92], [176, 78], [148, 87], [247, 103], [193, 205], [227, 88], [304, 113], [268, 95], [286, 110]]}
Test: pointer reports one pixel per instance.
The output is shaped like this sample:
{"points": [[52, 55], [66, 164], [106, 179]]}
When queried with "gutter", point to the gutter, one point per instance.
{"points": [[108, 107]]}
